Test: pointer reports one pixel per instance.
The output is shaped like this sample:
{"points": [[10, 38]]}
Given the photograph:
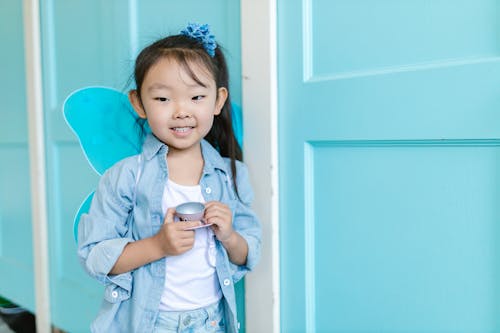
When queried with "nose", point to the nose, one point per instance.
{"points": [[180, 111]]}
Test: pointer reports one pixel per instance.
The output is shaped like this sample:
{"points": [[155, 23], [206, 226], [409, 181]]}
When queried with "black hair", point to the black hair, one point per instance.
{"points": [[187, 51]]}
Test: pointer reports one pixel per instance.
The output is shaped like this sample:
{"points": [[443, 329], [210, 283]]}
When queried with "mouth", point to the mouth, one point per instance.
{"points": [[182, 129]]}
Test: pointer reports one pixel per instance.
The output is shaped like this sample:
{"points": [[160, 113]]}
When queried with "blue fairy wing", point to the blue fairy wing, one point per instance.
{"points": [[84, 208], [106, 125], [237, 122], [107, 128]]}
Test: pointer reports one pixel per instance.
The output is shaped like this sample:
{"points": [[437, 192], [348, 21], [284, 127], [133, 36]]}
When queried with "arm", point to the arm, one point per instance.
{"points": [[246, 223], [105, 246], [237, 227], [221, 217], [237, 248], [172, 239]]}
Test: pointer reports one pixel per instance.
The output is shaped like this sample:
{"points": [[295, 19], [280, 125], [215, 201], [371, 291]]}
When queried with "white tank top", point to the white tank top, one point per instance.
{"points": [[191, 281]]}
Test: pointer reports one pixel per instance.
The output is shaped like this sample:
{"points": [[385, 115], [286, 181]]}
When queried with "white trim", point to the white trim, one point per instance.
{"points": [[133, 28], [259, 68], [31, 9]]}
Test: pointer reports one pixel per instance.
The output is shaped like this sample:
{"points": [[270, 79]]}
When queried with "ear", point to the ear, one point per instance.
{"points": [[136, 103], [221, 99]]}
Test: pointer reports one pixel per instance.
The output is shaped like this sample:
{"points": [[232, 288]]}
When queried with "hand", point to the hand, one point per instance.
{"points": [[221, 217], [173, 238]]}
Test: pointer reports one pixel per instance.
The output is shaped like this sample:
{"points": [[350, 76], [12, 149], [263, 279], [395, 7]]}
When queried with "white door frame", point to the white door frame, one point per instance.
{"points": [[259, 71], [36, 143]]}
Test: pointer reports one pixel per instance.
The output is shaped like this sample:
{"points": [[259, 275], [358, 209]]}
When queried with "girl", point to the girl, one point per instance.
{"points": [[162, 275]]}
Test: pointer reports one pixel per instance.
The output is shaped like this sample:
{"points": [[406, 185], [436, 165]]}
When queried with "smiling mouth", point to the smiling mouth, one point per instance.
{"points": [[182, 129]]}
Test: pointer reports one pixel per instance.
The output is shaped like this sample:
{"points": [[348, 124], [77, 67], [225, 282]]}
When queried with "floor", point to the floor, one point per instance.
{"points": [[20, 320], [4, 328]]}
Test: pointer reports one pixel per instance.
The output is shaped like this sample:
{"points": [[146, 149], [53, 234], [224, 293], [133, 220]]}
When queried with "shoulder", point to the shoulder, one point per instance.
{"points": [[241, 168], [241, 178], [124, 168], [119, 179]]}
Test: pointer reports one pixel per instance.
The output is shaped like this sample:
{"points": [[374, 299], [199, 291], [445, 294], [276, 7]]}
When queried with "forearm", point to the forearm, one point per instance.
{"points": [[137, 254], [237, 248]]}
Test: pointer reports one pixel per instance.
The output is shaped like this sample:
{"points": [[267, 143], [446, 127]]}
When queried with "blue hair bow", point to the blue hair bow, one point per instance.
{"points": [[202, 34]]}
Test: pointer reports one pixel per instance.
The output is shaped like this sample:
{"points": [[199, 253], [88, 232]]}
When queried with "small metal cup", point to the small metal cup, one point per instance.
{"points": [[190, 211]]}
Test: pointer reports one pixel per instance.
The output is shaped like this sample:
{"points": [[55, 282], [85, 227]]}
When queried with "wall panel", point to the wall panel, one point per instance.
{"points": [[16, 253]]}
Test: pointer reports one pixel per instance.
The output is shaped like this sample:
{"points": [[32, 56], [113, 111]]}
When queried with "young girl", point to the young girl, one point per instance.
{"points": [[162, 275]]}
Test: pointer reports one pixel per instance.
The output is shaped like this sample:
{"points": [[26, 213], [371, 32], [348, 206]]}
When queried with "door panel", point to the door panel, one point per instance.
{"points": [[389, 150], [373, 36], [16, 251], [398, 257], [89, 43]]}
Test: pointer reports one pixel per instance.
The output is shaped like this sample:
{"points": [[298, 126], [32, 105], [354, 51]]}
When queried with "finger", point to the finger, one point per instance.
{"points": [[217, 221], [186, 237], [210, 203], [188, 225], [188, 245], [183, 236], [169, 217], [212, 211], [184, 246], [218, 215]]}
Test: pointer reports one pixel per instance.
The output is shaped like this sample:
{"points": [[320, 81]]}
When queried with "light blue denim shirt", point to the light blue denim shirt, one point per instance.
{"points": [[123, 211]]}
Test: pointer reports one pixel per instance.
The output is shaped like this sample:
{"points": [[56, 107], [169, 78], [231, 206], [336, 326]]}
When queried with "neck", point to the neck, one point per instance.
{"points": [[185, 166]]}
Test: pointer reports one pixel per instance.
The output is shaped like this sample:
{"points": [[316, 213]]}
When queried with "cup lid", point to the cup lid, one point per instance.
{"points": [[190, 208]]}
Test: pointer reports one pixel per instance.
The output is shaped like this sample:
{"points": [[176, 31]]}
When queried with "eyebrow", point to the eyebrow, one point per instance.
{"points": [[161, 86], [158, 86]]}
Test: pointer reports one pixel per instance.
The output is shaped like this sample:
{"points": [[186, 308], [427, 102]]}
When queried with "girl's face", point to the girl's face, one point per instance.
{"points": [[179, 110]]}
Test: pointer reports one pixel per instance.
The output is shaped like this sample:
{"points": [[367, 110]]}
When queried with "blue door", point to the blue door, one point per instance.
{"points": [[16, 251], [389, 147], [94, 42]]}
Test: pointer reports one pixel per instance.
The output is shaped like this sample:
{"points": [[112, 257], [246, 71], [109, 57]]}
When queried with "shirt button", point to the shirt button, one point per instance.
{"points": [[208, 190], [114, 294], [227, 282]]}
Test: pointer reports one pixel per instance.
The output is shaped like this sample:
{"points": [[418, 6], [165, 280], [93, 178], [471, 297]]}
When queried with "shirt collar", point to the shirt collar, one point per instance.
{"points": [[152, 146], [212, 158]]}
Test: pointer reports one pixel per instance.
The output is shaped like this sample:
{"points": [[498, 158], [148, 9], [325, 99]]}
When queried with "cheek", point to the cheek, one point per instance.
{"points": [[208, 124], [208, 117], [156, 119]]}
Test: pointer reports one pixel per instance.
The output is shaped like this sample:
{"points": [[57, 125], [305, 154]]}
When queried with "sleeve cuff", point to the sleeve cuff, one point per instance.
{"points": [[104, 255], [119, 287], [238, 272], [253, 251]]}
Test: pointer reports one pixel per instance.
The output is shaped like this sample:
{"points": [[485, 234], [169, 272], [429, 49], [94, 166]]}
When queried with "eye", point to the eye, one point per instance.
{"points": [[198, 97], [161, 99]]}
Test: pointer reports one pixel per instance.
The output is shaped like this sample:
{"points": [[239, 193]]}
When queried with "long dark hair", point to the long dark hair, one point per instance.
{"points": [[187, 51]]}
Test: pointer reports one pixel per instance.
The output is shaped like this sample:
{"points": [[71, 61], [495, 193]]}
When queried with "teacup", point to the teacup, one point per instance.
{"points": [[190, 211]]}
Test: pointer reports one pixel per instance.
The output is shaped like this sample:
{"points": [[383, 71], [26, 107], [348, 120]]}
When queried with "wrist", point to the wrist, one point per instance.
{"points": [[157, 243], [230, 239]]}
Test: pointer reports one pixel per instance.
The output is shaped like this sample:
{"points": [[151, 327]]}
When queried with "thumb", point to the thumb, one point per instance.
{"points": [[169, 217]]}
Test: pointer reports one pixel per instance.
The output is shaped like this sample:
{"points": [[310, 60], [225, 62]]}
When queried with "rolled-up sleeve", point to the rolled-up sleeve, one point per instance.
{"points": [[246, 223], [104, 231]]}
